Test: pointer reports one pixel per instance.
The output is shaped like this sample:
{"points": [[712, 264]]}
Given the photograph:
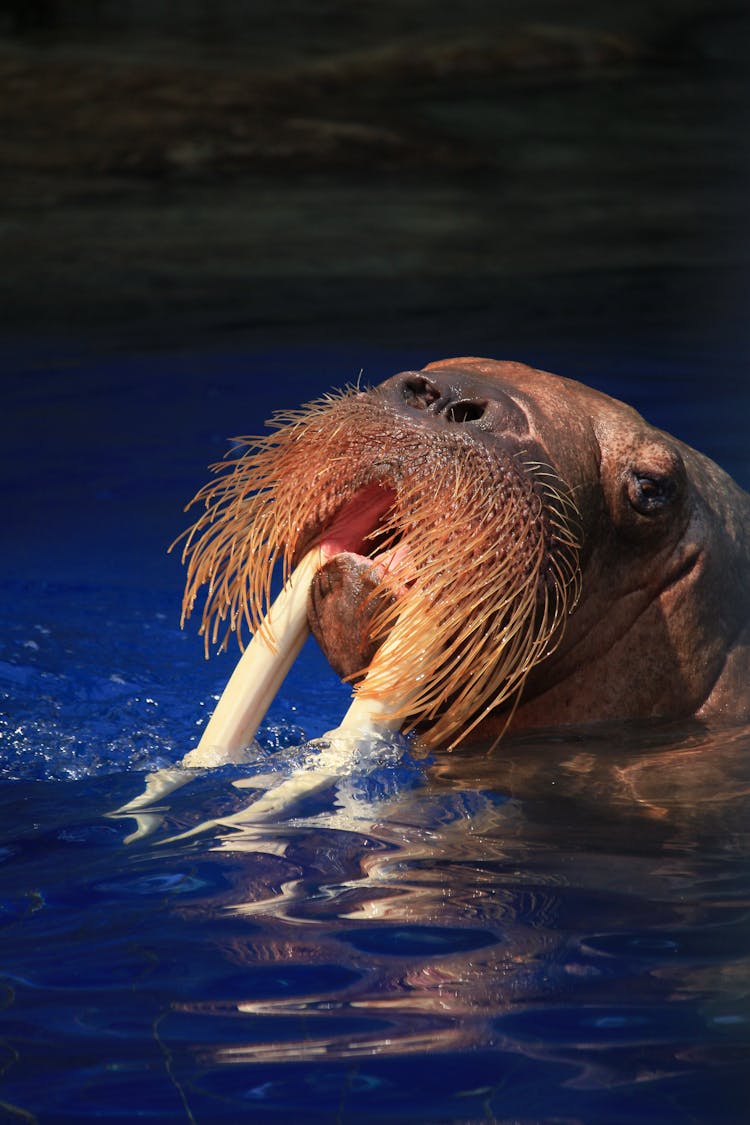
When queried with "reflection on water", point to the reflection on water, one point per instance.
{"points": [[555, 932]]}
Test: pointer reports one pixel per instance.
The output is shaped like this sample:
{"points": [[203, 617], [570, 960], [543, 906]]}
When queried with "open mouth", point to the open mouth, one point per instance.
{"points": [[434, 571], [363, 568]]}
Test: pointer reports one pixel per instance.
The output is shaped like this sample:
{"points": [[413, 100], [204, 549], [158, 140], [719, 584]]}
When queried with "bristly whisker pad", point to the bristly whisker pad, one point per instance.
{"points": [[488, 559]]}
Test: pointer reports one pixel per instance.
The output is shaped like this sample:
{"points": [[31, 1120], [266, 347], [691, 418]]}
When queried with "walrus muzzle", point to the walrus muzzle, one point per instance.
{"points": [[446, 553]]}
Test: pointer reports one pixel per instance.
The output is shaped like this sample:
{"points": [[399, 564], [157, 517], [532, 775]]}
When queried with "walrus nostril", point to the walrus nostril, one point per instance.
{"points": [[422, 394], [465, 410], [419, 392]]}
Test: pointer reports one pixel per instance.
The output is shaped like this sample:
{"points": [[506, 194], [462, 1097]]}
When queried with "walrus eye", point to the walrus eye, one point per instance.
{"points": [[650, 494]]}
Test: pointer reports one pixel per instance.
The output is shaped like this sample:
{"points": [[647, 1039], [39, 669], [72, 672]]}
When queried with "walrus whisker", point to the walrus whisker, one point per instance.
{"points": [[429, 701], [258, 507]]}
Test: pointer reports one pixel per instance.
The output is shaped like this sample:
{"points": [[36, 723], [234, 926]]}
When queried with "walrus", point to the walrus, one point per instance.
{"points": [[478, 547]]}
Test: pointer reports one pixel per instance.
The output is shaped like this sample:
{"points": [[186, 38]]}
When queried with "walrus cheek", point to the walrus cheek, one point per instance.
{"points": [[345, 594]]}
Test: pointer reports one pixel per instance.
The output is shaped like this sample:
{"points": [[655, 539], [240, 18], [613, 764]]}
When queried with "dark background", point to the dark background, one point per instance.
{"points": [[210, 210], [175, 172]]}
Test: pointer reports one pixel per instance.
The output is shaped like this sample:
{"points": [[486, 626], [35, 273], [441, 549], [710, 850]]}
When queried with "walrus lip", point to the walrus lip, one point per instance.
{"points": [[354, 579]]}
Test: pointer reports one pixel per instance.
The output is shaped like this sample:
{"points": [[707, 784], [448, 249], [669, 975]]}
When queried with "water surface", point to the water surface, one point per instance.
{"points": [[554, 932]]}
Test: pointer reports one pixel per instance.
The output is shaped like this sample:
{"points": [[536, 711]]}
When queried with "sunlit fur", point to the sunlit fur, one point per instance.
{"points": [[490, 570]]}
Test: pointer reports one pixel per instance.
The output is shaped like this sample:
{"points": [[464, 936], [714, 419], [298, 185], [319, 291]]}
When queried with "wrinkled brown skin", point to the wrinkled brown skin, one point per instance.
{"points": [[662, 627]]}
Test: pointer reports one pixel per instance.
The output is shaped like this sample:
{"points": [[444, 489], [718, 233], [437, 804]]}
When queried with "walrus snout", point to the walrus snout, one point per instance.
{"points": [[440, 546], [453, 397]]}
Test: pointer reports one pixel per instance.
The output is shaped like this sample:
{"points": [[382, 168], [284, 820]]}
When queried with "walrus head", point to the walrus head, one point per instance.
{"points": [[457, 513]]}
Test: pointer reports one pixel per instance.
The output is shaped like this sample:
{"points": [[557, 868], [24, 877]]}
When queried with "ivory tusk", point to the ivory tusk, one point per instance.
{"points": [[259, 673]]}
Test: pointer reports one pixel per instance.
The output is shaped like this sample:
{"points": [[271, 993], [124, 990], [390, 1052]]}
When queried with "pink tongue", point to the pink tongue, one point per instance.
{"points": [[349, 530]]}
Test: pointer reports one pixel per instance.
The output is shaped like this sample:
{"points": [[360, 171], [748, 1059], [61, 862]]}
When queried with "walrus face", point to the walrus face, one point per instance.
{"points": [[479, 533], [441, 523]]}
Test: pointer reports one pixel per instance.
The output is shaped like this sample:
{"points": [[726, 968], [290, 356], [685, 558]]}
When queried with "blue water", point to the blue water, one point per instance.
{"points": [[555, 933]]}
